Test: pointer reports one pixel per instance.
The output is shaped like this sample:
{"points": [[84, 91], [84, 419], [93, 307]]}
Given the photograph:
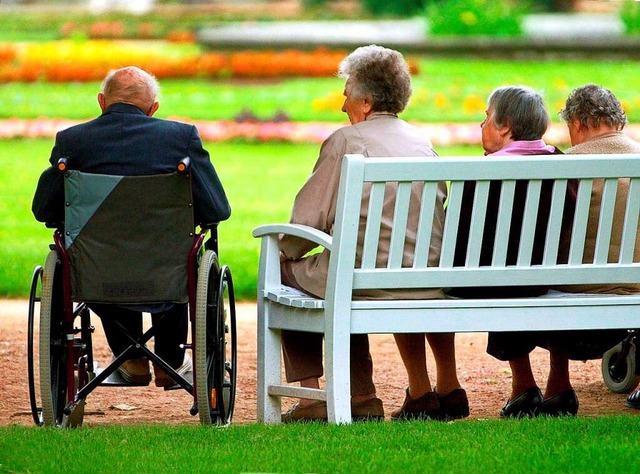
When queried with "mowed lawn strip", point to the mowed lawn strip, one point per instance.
{"points": [[579, 445]]}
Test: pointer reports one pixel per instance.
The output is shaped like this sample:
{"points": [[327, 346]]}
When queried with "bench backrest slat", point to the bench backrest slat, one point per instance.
{"points": [[581, 216], [381, 176], [554, 226], [630, 227], [477, 223], [529, 223], [607, 206], [454, 202], [372, 231], [399, 230], [425, 225], [503, 224]]}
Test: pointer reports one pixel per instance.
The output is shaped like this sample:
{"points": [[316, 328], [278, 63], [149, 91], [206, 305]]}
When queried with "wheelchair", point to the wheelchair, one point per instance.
{"points": [[620, 365], [129, 240]]}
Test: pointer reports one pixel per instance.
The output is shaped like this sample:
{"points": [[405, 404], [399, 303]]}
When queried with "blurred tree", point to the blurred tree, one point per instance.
{"points": [[395, 7], [538, 5], [553, 5], [313, 3]]}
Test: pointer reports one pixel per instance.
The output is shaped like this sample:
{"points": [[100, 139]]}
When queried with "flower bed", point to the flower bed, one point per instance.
{"points": [[443, 134], [68, 61]]}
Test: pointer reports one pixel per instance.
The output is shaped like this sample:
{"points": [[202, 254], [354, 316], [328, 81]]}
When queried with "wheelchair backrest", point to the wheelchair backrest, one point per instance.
{"points": [[128, 237]]}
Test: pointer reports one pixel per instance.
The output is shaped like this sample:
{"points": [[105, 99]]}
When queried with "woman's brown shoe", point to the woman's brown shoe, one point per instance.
{"points": [[368, 410], [316, 411], [426, 407], [455, 404]]}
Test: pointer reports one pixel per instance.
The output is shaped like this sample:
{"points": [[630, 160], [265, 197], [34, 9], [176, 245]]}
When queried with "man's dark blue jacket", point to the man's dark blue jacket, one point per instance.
{"points": [[124, 141]]}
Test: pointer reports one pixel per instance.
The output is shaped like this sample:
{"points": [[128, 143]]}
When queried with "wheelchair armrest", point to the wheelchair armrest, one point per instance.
{"points": [[212, 242], [209, 225]]}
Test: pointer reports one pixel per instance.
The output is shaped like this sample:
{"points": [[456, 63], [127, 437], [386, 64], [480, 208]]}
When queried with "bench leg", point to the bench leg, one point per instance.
{"points": [[269, 367], [338, 378]]}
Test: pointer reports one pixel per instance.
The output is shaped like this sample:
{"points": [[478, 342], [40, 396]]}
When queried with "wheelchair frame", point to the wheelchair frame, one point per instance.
{"points": [[66, 367]]}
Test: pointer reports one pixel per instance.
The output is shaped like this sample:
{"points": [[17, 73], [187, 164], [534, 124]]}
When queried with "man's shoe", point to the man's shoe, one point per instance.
{"points": [[455, 404], [563, 404], [164, 380], [317, 411], [528, 403], [426, 407], [633, 400], [367, 410], [135, 371]]}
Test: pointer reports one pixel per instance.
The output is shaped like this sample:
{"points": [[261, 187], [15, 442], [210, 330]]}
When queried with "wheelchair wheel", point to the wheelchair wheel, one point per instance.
{"points": [[215, 351], [53, 355], [618, 369], [34, 298]]}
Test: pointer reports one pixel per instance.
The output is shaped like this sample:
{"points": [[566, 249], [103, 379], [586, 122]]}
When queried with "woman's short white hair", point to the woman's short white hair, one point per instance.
{"points": [[380, 74]]}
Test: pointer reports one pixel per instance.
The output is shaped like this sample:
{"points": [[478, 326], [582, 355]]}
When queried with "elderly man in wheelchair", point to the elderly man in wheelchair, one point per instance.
{"points": [[133, 200]]}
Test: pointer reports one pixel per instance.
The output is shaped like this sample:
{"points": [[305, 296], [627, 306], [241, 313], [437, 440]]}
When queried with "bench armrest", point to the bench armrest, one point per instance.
{"points": [[269, 268], [296, 230]]}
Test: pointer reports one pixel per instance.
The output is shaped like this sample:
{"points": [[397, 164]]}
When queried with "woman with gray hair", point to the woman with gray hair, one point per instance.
{"points": [[516, 120], [595, 120], [377, 89]]}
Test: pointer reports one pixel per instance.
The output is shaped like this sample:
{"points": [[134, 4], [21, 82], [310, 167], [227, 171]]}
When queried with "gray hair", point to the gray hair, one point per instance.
{"points": [[380, 74], [131, 85], [522, 109], [593, 106]]}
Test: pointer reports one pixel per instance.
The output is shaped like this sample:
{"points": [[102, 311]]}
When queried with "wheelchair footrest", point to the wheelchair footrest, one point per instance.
{"points": [[116, 380], [188, 376]]}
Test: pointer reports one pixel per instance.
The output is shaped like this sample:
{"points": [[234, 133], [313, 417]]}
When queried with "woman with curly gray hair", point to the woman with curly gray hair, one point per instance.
{"points": [[593, 107], [595, 119], [377, 89]]}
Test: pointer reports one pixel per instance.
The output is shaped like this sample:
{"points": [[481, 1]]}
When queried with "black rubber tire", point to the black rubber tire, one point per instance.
{"points": [[215, 352], [619, 375], [53, 357], [34, 299]]}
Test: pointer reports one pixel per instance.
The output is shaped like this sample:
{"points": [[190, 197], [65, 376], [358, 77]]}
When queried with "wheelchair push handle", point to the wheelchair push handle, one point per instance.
{"points": [[184, 165], [63, 164]]}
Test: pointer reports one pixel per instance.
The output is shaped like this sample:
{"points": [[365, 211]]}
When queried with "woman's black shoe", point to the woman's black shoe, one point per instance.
{"points": [[633, 400], [563, 404], [528, 403], [455, 404]]}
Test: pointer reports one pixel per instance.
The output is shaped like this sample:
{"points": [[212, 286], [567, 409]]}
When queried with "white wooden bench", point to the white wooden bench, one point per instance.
{"points": [[338, 315]]}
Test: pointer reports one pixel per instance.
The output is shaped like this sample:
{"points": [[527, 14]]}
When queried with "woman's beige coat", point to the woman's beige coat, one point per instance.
{"points": [[609, 143], [381, 135]]}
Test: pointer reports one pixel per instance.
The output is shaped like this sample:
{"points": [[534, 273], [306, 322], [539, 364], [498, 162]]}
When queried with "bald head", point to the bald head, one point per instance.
{"points": [[130, 85]]}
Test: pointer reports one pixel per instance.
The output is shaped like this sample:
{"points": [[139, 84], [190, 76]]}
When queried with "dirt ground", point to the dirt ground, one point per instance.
{"points": [[486, 380]]}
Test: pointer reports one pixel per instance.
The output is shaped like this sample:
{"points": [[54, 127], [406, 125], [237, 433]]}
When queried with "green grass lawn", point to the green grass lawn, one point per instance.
{"points": [[261, 181], [581, 445], [445, 90]]}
